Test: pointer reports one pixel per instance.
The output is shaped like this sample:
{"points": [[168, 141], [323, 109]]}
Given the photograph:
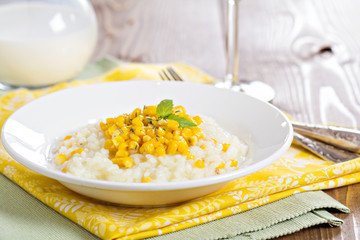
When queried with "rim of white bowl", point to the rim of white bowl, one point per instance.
{"points": [[165, 186]]}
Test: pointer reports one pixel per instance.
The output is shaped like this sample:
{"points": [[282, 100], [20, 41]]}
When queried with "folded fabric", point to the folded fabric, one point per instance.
{"points": [[296, 171], [24, 217], [272, 220]]}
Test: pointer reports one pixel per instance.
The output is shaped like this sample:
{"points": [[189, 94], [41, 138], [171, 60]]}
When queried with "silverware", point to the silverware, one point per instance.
{"points": [[324, 150], [170, 74], [344, 138]]}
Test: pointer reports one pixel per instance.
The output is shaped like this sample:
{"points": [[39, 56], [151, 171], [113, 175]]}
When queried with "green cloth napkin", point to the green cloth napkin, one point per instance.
{"points": [[272, 220], [22, 216]]}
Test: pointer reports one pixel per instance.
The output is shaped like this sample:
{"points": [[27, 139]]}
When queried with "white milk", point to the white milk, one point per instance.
{"points": [[41, 43]]}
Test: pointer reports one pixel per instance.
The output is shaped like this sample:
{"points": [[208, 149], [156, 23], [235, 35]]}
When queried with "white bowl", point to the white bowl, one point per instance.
{"points": [[29, 132]]}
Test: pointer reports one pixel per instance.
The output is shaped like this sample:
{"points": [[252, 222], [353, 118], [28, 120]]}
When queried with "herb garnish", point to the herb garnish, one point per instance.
{"points": [[164, 111]]}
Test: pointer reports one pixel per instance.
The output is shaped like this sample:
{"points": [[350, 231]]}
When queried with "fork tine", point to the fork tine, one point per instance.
{"points": [[161, 76], [166, 75], [174, 74]]}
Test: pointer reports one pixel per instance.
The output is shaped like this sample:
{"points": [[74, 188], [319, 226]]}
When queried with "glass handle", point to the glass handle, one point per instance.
{"points": [[232, 49]]}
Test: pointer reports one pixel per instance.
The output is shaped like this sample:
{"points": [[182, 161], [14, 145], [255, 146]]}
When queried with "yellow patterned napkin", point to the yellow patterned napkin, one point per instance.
{"points": [[296, 171]]}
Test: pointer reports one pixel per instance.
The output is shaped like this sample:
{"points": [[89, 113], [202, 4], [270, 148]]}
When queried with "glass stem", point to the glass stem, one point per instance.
{"points": [[232, 49]]}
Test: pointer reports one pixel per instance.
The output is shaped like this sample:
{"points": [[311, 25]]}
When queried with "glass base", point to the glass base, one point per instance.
{"points": [[255, 89], [9, 87]]}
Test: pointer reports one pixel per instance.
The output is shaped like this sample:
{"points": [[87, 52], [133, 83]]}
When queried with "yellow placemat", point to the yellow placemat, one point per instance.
{"points": [[296, 171]]}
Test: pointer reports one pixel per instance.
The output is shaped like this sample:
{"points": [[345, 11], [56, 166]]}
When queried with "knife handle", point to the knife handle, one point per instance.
{"points": [[323, 150], [344, 138]]}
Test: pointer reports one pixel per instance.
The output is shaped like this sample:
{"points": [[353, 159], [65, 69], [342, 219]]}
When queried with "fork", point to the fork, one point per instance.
{"points": [[333, 150], [170, 74]]}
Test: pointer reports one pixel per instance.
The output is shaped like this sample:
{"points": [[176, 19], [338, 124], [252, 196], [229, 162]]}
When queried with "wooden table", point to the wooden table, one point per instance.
{"points": [[307, 50]]}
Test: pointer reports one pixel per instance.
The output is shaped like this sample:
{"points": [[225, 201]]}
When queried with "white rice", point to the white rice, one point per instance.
{"points": [[94, 162]]}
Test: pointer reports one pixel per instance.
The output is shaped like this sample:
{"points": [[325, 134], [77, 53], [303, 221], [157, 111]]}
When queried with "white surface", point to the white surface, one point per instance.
{"points": [[28, 133], [44, 43]]}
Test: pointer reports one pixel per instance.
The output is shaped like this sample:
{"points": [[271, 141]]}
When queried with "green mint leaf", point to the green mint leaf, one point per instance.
{"points": [[183, 122], [164, 108]]}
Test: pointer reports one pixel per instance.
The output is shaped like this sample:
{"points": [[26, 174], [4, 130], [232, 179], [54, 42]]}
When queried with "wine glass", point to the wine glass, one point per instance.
{"points": [[256, 89], [44, 42]]}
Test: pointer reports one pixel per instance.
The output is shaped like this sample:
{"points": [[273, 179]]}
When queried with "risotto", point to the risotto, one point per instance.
{"points": [[157, 144]]}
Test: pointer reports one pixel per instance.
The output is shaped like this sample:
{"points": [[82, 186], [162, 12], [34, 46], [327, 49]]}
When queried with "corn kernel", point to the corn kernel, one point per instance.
{"points": [[121, 153], [133, 145], [137, 122], [193, 140], [108, 143], [135, 113], [60, 158], [214, 140], [203, 146], [166, 141], [127, 162], [176, 138], [134, 137], [173, 125], [172, 147], [186, 153], [179, 110], [155, 142], [148, 147], [116, 161], [221, 166], [77, 151], [162, 122], [148, 120], [188, 117], [146, 138], [234, 163], [67, 137], [200, 163], [161, 139], [139, 131], [107, 134], [123, 146], [150, 110], [201, 136], [182, 147], [155, 123], [197, 120], [117, 140], [160, 150], [151, 132], [141, 149], [146, 180], [120, 121], [110, 120], [160, 132], [103, 126], [111, 130], [186, 133], [195, 130], [190, 156], [168, 135], [225, 147], [176, 133]]}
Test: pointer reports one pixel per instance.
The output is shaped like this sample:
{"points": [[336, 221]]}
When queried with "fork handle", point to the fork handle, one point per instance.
{"points": [[323, 150], [344, 138]]}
